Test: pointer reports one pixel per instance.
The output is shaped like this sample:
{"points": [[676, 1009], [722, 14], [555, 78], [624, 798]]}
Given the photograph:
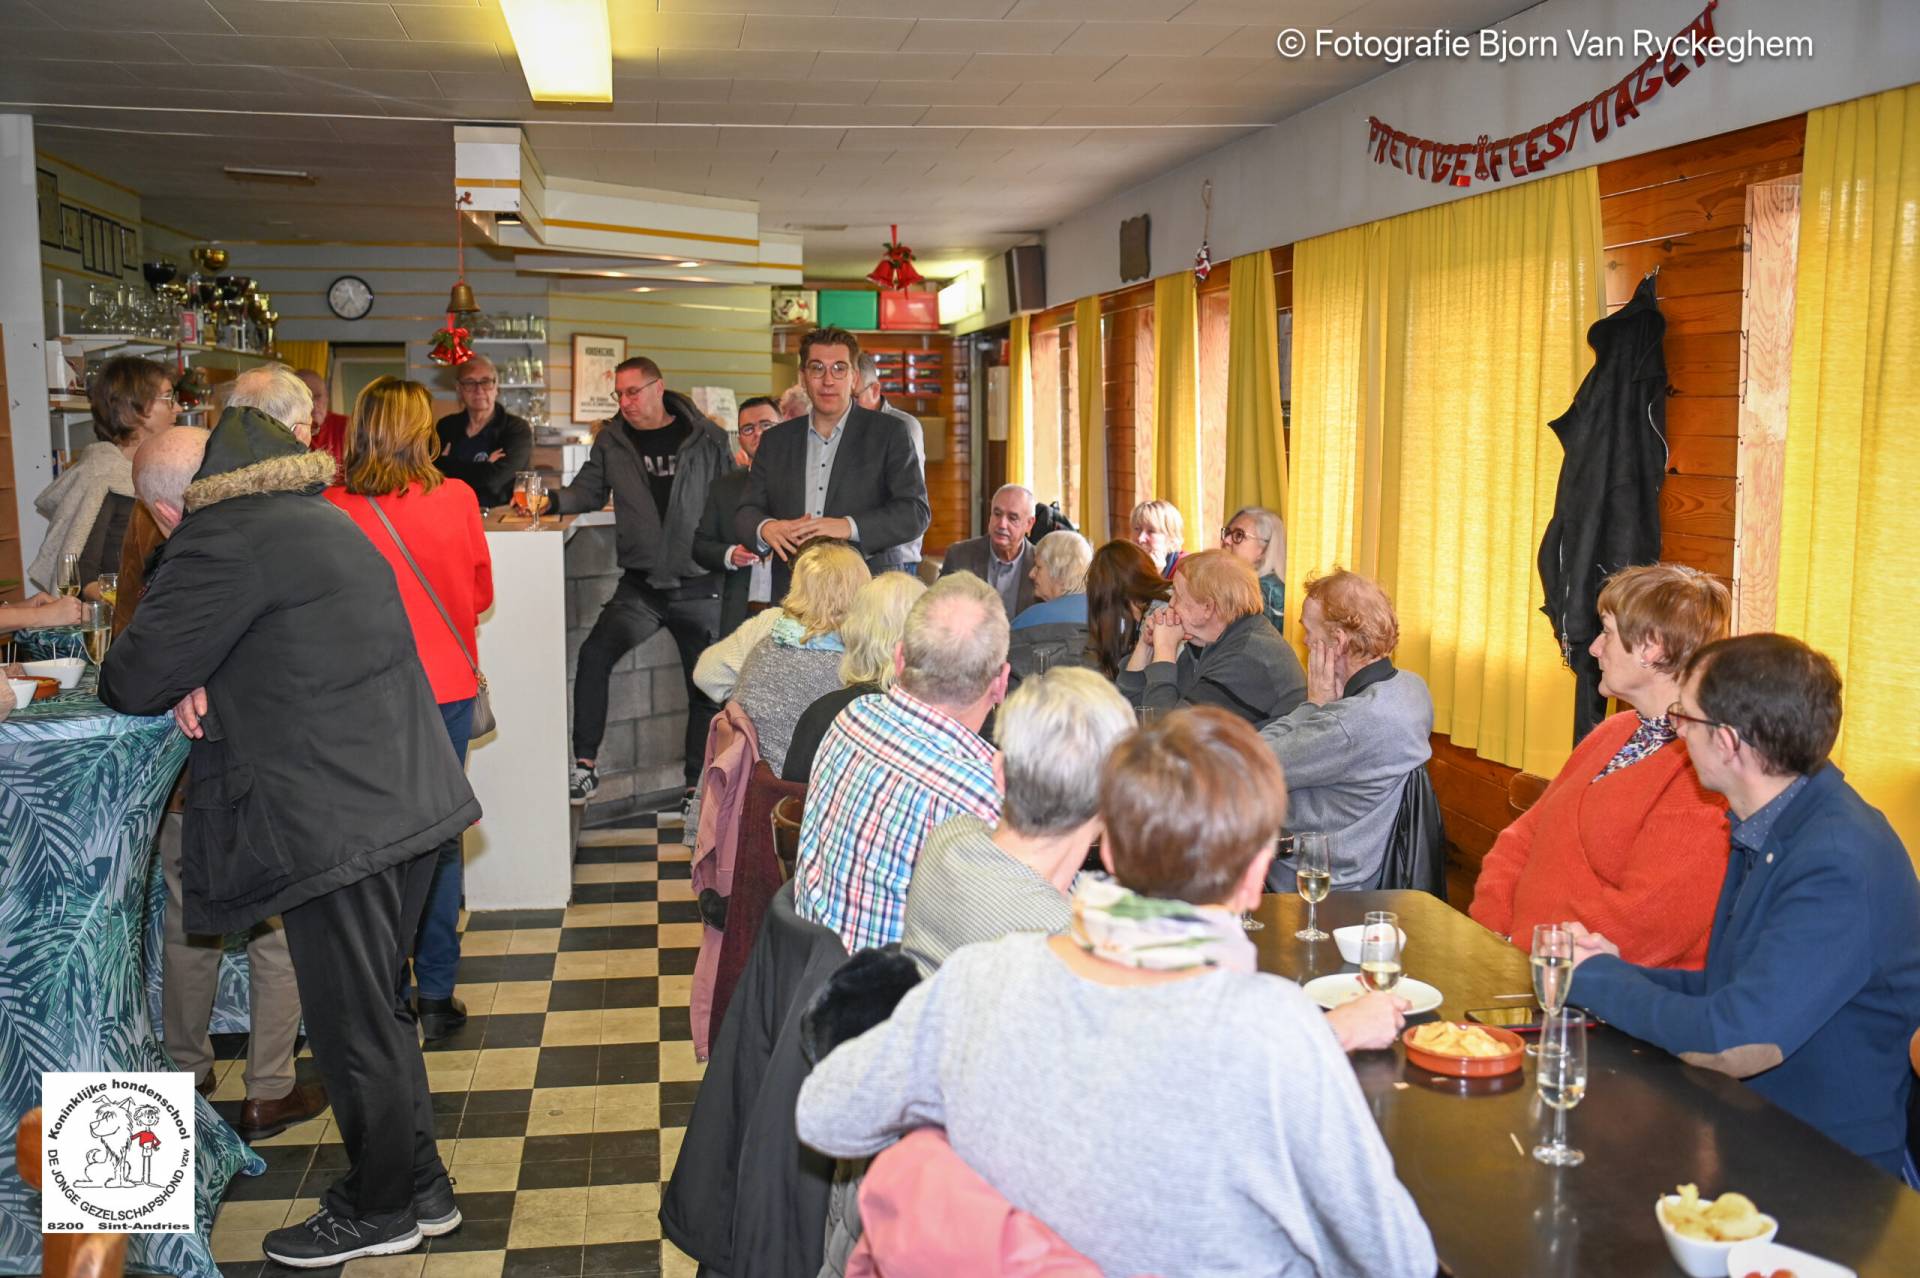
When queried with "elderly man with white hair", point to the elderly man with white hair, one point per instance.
{"points": [[483, 444], [893, 767], [1003, 558]]}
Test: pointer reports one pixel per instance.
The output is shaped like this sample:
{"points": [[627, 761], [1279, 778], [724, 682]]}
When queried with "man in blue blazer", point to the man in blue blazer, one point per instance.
{"points": [[842, 471], [1812, 985]]}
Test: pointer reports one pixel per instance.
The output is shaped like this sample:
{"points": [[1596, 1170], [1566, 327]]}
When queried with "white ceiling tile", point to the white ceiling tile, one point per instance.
{"points": [[259, 51], [869, 35], [1105, 11], [504, 85], [1305, 14], [1021, 67], [940, 36], [1254, 42], [793, 141], [820, 92], [1460, 15], [1167, 38], [632, 28], [1034, 141], [900, 139], [897, 66], [162, 75], [724, 112], [1114, 116], [1219, 115], [849, 116], [398, 84], [410, 133], [1147, 68], [441, 22], [980, 115], [674, 89], [940, 92], [734, 64], [114, 16], [91, 46], [1242, 93], [25, 17], [312, 18], [794, 7], [421, 55], [1042, 93]]}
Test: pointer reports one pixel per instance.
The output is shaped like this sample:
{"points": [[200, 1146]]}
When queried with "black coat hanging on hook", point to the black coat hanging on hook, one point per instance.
{"points": [[1606, 509]]}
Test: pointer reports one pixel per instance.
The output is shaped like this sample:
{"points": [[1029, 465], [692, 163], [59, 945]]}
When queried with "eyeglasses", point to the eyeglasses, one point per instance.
{"points": [[166, 397], [839, 370], [1674, 712], [1234, 536], [634, 392], [477, 383]]}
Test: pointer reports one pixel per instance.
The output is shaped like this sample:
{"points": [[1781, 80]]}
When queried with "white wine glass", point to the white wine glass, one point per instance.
{"points": [[1312, 878], [67, 579], [1552, 968], [536, 496], [1380, 950], [1561, 1076]]}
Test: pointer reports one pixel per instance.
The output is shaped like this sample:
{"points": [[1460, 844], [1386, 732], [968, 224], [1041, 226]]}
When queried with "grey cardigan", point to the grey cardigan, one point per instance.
{"points": [[1346, 764], [1249, 671], [657, 544]]}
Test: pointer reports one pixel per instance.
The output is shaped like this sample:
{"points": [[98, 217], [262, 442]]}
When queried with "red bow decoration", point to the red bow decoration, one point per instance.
{"points": [[450, 343], [896, 268]]}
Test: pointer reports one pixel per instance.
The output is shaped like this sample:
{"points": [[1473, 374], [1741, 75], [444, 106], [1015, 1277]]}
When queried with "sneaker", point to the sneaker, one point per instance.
{"points": [[435, 1209], [581, 782], [325, 1239]]}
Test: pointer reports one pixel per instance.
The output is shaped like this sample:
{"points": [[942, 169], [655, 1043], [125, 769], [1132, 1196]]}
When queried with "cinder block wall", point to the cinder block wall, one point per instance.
{"points": [[640, 759]]}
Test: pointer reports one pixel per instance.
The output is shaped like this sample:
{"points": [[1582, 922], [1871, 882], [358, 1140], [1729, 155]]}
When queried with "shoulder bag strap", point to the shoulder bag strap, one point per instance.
{"points": [[428, 587]]}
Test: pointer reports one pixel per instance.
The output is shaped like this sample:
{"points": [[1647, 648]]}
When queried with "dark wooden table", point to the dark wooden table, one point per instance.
{"points": [[1648, 1123]]}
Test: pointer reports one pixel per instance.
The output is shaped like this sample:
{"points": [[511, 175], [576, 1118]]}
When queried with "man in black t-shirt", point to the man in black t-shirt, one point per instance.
{"points": [[483, 445], [657, 459]]}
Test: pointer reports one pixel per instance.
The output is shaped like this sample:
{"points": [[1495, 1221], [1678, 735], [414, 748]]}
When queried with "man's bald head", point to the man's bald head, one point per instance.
{"points": [[163, 468]]}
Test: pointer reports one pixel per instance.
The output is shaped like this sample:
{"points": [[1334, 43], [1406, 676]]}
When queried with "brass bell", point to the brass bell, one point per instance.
{"points": [[461, 300]]}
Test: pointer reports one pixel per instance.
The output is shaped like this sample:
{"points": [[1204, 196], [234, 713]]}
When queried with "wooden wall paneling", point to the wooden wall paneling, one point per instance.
{"points": [[1704, 364], [1773, 238], [1774, 141], [1705, 415], [1679, 208], [1701, 454], [1706, 262]]}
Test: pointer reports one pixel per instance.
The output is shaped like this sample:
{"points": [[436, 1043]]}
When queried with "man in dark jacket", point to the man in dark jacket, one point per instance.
{"points": [[483, 444], [322, 783], [658, 458], [1606, 510], [841, 471], [748, 575]]}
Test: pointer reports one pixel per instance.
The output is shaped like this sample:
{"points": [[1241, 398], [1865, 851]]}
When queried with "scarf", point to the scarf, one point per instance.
{"points": [[1121, 926], [1648, 737], [790, 633]]}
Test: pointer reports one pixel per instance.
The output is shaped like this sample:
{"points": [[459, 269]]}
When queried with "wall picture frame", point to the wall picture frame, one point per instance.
{"points": [[47, 186], [70, 229], [595, 356]]}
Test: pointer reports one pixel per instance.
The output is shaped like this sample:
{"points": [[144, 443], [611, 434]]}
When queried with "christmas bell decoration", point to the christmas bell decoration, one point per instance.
{"points": [[450, 343], [895, 270]]}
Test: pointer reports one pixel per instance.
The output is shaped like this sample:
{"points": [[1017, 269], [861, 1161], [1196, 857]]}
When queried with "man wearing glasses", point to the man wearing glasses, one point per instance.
{"points": [[658, 459], [842, 471], [485, 446], [1812, 983], [749, 577]]}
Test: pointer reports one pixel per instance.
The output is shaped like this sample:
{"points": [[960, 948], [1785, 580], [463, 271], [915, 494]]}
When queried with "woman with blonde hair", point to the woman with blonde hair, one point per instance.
{"points": [[1625, 840], [1257, 536], [871, 634], [392, 490], [1160, 530], [798, 660]]}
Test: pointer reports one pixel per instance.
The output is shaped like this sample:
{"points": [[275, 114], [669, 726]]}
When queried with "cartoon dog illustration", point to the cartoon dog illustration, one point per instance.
{"points": [[100, 1170], [112, 1126]]}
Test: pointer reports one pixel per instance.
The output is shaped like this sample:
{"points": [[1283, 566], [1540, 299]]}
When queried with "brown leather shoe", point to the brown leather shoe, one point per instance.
{"points": [[260, 1119]]}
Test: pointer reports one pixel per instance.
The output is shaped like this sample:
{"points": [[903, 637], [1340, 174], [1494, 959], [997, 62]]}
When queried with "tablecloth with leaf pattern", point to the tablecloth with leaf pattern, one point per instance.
{"points": [[81, 791]]}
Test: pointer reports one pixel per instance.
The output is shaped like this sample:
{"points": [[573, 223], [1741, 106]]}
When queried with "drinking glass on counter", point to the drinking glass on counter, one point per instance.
{"points": [[97, 629], [1313, 878], [67, 580], [1380, 950], [1552, 968], [1562, 1081], [530, 494]]}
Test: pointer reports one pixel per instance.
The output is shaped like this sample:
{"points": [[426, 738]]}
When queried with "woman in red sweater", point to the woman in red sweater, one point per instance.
{"points": [[389, 461], [1625, 840]]}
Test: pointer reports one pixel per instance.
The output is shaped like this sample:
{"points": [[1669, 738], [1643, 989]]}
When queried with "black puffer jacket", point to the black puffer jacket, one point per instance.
{"points": [[325, 758]]}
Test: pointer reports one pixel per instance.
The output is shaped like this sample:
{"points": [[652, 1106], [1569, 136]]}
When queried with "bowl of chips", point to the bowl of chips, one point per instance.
{"points": [[1701, 1231], [1462, 1050]]}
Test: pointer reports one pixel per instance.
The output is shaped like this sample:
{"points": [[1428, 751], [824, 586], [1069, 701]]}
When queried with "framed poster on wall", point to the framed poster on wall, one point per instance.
{"points": [[594, 359]]}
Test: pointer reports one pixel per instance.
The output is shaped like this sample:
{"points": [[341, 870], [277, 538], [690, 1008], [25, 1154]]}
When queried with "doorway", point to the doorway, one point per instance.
{"points": [[354, 364]]}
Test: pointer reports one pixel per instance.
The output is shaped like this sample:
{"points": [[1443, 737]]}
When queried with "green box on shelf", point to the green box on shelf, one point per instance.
{"points": [[849, 308]]}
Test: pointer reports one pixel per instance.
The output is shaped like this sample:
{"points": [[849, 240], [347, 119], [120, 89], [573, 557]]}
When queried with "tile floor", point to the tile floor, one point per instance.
{"points": [[561, 1103]]}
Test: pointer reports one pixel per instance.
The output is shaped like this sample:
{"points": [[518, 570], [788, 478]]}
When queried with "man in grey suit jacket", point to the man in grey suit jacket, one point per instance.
{"points": [[841, 471], [906, 556], [1004, 557]]}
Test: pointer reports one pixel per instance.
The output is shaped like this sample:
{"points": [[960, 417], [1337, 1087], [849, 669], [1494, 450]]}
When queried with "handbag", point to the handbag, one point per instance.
{"points": [[483, 720]]}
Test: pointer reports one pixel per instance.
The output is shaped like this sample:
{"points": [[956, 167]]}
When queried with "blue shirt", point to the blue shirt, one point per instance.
{"points": [[1067, 608]]}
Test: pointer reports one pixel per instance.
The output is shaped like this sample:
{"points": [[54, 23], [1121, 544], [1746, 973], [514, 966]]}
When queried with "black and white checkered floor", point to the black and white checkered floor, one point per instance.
{"points": [[561, 1103]]}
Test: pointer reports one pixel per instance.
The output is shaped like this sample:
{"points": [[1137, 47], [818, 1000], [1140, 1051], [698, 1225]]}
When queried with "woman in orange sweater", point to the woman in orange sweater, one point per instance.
{"points": [[1625, 840]]}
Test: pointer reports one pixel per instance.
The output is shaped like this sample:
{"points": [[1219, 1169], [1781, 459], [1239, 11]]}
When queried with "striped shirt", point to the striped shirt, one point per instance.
{"points": [[889, 770], [966, 890]]}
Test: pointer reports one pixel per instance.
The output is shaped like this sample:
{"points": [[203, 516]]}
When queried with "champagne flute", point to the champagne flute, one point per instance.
{"points": [[1380, 951], [1313, 878], [98, 633], [1562, 1080], [1552, 968], [67, 581]]}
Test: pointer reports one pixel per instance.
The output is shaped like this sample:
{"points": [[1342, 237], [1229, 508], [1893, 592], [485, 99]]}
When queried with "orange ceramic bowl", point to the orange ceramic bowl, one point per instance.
{"points": [[47, 689], [1468, 1066]]}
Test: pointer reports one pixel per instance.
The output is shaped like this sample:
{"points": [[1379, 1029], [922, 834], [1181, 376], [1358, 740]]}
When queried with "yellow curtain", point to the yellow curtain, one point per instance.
{"points": [[1020, 403], [1256, 451], [1433, 349], [1851, 488], [298, 355], [1176, 381], [1092, 408]]}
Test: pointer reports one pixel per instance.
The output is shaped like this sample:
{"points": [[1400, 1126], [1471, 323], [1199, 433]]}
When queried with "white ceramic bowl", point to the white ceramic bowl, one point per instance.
{"points": [[1756, 1255], [65, 669], [1348, 939], [23, 690], [1701, 1258]]}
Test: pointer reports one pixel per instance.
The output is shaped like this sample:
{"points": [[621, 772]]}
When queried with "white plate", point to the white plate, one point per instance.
{"points": [[1765, 1257], [1343, 987]]}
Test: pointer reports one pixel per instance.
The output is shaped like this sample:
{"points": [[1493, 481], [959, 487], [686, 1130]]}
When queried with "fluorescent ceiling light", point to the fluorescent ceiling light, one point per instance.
{"points": [[564, 48], [689, 264], [284, 175]]}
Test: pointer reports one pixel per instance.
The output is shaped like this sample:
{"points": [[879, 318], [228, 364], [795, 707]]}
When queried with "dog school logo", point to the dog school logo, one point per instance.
{"points": [[117, 1153]]}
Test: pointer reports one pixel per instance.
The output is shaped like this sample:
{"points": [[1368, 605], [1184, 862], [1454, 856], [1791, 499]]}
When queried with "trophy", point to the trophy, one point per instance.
{"points": [[209, 259]]}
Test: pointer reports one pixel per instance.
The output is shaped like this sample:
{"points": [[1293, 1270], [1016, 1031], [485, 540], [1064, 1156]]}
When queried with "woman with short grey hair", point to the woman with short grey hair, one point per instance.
{"points": [[1257, 536], [1053, 632]]}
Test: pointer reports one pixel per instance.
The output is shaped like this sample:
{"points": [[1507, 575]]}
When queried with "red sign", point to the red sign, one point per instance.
{"points": [[1491, 160]]}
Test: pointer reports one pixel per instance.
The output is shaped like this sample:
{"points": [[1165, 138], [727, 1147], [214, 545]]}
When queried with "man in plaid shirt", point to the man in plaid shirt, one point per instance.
{"points": [[894, 766]]}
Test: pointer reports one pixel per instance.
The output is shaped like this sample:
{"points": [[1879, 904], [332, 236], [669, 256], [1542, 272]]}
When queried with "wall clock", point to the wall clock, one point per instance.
{"points": [[350, 297]]}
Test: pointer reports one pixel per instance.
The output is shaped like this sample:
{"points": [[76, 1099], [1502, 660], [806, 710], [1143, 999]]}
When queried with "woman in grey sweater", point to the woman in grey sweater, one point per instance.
{"points": [[799, 659], [1040, 1055]]}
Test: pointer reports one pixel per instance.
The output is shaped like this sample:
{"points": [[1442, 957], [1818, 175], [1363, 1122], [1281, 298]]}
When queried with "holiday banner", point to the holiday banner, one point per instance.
{"points": [[1492, 160]]}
